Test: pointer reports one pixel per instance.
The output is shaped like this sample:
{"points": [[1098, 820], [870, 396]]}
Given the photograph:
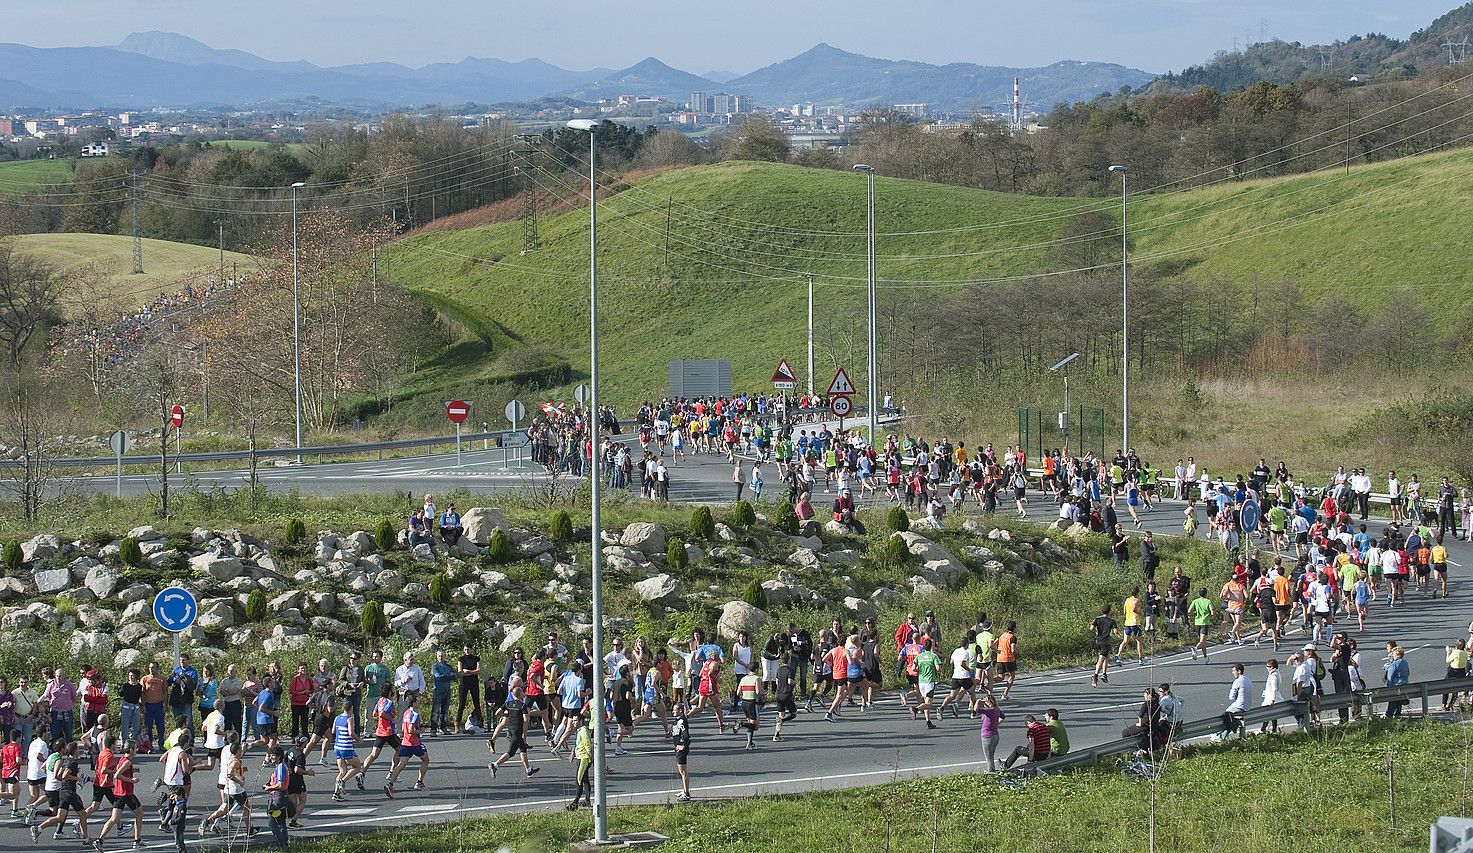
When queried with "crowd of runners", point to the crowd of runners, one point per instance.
{"points": [[76, 754]]}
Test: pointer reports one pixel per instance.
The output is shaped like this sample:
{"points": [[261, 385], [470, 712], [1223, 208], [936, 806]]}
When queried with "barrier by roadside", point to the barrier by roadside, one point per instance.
{"points": [[1328, 703]]}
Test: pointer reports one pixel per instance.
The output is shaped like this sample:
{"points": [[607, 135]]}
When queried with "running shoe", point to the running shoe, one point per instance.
{"points": [[683, 797], [492, 768], [419, 786], [930, 725], [532, 771], [389, 791], [360, 781], [35, 834]]}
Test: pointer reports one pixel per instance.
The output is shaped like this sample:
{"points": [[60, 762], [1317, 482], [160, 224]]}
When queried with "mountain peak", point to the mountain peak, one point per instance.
{"points": [[181, 49]]}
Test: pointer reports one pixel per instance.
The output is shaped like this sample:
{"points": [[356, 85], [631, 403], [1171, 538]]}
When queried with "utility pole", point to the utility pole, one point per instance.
{"points": [[373, 263], [531, 239], [137, 238], [810, 334], [220, 280]]}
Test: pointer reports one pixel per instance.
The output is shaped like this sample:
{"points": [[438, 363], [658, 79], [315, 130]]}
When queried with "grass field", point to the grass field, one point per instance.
{"points": [[167, 266], [254, 144], [1328, 791], [18, 177]]}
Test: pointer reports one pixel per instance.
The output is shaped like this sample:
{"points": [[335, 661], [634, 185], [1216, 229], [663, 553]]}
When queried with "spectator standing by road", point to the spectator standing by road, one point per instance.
{"points": [[1238, 694], [1398, 672], [442, 677]]}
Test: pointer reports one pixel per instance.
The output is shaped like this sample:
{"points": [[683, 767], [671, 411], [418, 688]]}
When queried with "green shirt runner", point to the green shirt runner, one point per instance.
{"points": [[926, 665], [1201, 610]]}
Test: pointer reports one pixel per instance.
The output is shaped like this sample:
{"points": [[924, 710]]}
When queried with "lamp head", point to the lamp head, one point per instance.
{"points": [[298, 185], [1119, 169], [863, 167], [584, 124], [1061, 365]]}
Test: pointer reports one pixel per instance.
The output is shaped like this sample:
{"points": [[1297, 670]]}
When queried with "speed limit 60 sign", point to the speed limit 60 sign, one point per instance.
{"points": [[840, 406]]}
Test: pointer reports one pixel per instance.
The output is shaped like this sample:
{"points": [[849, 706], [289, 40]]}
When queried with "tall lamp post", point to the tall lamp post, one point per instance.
{"points": [[297, 317], [1124, 317], [873, 389], [1064, 415], [600, 790]]}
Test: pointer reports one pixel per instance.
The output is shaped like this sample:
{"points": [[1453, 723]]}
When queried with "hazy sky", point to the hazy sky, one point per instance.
{"points": [[701, 36]]}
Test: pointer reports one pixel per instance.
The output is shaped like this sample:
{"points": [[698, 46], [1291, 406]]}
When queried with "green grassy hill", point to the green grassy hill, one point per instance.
{"points": [[18, 177], [709, 262], [109, 257]]}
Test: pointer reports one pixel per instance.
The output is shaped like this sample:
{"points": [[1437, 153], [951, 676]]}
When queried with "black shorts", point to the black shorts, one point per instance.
{"points": [[127, 803], [1423, 571], [7, 780], [961, 684], [53, 798], [912, 680], [295, 784], [242, 799], [1440, 568], [786, 705], [69, 801], [214, 754], [266, 729], [1102, 647], [322, 726], [518, 744], [623, 713], [1203, 631], [1301, 538], [538, 702], [102, 792], [1007, 667], [381, 741], [681, 755], [749, 710]]}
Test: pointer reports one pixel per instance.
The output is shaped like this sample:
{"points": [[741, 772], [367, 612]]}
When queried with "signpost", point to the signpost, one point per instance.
{"points": [[119, 442], [457, 411], [840, 406], [784, 381], [176, 418], [1249, 516], [840, 391], [514, 411], [175, 609], [581, 394], [841, 386]]}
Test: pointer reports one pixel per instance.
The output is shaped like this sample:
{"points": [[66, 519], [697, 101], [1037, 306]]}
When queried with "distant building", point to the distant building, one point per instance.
{"points": [[7, 127], [698, 103], [96, 149], [917, 110]]}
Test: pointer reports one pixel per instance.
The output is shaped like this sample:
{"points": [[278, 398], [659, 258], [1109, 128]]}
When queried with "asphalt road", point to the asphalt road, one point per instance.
{"points": [[863, 747]]}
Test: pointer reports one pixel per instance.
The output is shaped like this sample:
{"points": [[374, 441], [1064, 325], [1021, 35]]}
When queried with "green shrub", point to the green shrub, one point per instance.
{"points": [[255, 606], [130, 553], [702, 525], [891, 553], [743, 514], [786, 520], [296, 531], [561, 529], [529, 573], [385, 534], [373, 622], [440, 588], [755, 595], [10, 555], [66, 605], [675, 556], [98, 538], [897, 519], [500, 549]]}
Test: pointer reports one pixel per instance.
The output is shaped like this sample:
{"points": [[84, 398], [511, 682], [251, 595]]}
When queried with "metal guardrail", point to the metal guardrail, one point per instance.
{"points": [[503, 438], [1422, 690]]}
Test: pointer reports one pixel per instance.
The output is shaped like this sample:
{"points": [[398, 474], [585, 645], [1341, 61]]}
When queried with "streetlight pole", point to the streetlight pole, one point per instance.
{"points": [[872, 389], [600, 788], [810, 334], [1064, 416], [1124, 315], [297, 316]]}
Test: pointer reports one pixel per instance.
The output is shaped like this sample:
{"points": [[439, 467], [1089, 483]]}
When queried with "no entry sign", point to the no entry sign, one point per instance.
{"points": [[176, 417], [457, 411]]}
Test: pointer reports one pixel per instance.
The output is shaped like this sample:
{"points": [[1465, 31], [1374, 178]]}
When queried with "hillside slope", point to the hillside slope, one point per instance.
{"points": [[709, 262], [167, 266]]}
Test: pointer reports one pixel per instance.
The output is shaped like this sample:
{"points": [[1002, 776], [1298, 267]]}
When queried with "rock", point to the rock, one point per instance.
{"points": [[726, 534], [372, 563], [834, 528], [480, 521], [17, 620], [805, 558], [291, 600], [130, 635], [661, 589], [494, 580], [281, 645], [922, 586], [644, 537], [307, 577], [52, 580], [979, 553], [149, 549], [136, 592], [1076, 530], [136, 611], [81, 566], [362, 542], [389, 579], [393, 608], [861, 608], [409, 633], [1052, 548], [45, 614], [924, 548], [468, 592], [812, 543], [40, 547], [271, 583], [323, 602], [330, 627], [565, 571], [534, 546], [810, 527], [92, 645], [127, 659], [215, 613], [464, 547], [202, 537], [11, 589], [998, 534], [513, 637], [882, 597], [79, 594], [975, 526], [94, 617], [693, 554], [416, 592], [414, 616], [219, 567], [947, 573], [102, 580], [165, 559], [926, 523], [324, 550], [267, 563], [739, 616], [785, 590], [423, 553], [843, 557], [146, 533]]}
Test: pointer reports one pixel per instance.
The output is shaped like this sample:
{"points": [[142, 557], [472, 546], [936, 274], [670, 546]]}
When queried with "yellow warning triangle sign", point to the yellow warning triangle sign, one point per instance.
{"points": [[841, 384]]}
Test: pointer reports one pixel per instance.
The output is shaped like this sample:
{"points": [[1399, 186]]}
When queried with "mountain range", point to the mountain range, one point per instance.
{"points": [[160, 69]]}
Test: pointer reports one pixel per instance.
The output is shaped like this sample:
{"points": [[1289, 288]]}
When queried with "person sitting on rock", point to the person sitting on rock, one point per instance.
{"points": [[419, 533], [450, 529], [844, 513]]}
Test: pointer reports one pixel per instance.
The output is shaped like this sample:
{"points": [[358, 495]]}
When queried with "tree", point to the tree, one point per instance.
{"points": [[759, 139], [29, 292], [667, 148], [28, 295]]}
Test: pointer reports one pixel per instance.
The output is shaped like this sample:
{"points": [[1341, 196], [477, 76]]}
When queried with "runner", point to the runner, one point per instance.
{"points": [[513, 715], [349, 766], [583, 754], [410, 746], [383, 728], [232, 789], [928, 664], [963, 662], [278, 801], [1132, 628], [103, 765], [124, 800], [1104, 628], [749, 689], [706, 688], [1438, 559], [68, 776], [1201, 611], [1007, 657], [680, 735]]}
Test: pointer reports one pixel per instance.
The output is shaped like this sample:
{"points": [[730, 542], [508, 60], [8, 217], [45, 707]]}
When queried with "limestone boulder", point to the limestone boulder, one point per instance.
{"points": [[738, 616], [645, 537], [102, 579], [221, 567], [51, 581], [480, 521], [40, 547], [662, 589]]}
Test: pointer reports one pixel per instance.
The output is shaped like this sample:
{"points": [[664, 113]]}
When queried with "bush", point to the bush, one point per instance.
{"points": [[255, 606], [98, 538], [897, 519], [786, 520], [440, 588], [373, 622], [743, 514], [891, 553], [130, 553], [500, 549], [675, 556], [702, 525], [385, 534], [755, 595], [10, 555], [561, 529], [296, 531]]}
